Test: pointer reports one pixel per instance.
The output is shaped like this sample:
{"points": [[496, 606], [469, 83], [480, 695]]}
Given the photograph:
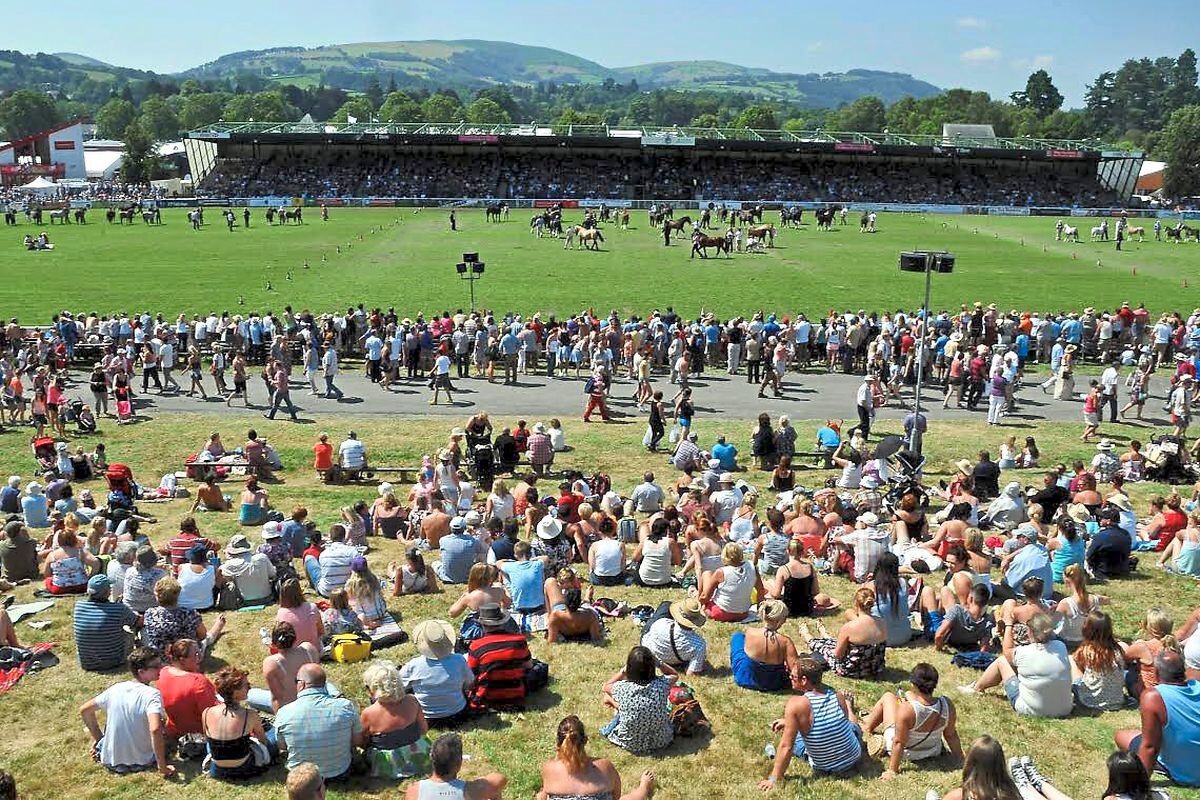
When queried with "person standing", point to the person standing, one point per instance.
{"points": [[510, 346], [281, 395], [865, 404], [595, 392], [1108, 390], [453, 221], [329, 368], [996, 396], [440, 379]]}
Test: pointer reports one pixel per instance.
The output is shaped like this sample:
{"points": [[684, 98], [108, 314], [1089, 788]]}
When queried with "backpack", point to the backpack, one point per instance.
{"points": [[627, 529], [229, 596], [589, 385], [350, 648], [687, 717]]}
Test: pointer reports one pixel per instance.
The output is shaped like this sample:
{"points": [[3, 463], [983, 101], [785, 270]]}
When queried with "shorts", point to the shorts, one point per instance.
{"points": [[442, 381], [1091, 417], [719, 614], [1012, 688]]}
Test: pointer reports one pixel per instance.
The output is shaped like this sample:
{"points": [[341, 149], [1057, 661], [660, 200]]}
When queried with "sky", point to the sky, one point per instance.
{"points": [[991, 46]]}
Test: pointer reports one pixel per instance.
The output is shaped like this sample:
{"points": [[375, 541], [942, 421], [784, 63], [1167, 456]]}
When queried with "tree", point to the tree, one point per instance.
{"points": [[360, 108], [1183, 90], [864, 114], [261, 107], [572, 117], [25, 111], [158, 120], [114, 117], [757, 116], [706, 121], [141, 159], [1180, 143], [374, 93], [201, 110], [1040, 94], [487, 112], [399, 107], [1099, 101], [442, 108]]}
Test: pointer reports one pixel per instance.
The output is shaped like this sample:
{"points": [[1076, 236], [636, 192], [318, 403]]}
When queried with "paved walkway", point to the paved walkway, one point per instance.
{"points": [[806, 396]]}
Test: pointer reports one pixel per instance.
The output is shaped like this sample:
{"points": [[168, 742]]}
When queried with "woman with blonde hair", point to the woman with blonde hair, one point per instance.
{"points": [[69, 564], [481, 589], [743, 527], [500, 503], [860, 648], [725, 592], [366, 594], [356, 527], [574, 775], [761, 658], [705, 545], [1074, 609], [393, 725], [1156, 637]]}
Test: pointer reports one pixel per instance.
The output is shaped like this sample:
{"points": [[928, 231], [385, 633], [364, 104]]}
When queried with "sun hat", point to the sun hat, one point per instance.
{"points": [[238, 545], [34, 489], [725, 477], [713, 463], [688, 614], [272, 530], [1104, 446], [539, 427], [490, 615], [1121, 501], [964, 466], [549, 528], [445, 455], [434, 638], [457, 433], [98, 585], [1078, 512], [473, 518], [869, 519], [458, 524]]}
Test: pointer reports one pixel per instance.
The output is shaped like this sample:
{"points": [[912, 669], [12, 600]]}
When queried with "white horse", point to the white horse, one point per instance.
{"points": [[62, 215], [1070, 233], [1098, 233]]}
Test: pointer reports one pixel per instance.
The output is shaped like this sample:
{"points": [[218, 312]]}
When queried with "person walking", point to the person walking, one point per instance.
{"points": [[440, 379], [281, 394], [329, 369], [865, 404], [595, 392], [1109, 380]]}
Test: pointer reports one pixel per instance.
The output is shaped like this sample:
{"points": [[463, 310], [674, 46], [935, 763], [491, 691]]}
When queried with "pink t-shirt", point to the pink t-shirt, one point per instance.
{"points": [[304, 619]]}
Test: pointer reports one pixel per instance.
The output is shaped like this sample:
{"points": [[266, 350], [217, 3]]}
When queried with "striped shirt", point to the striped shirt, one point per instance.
{"points": [[831, 744], [319, 729], [179, 546], [99, 639], [498, 661], [335, 567]]}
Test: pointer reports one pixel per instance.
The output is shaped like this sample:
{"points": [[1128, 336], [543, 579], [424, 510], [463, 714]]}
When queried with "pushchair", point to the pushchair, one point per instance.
{"points": [[122, 490], [44, 454], [84, 423], [1164, 460], [483, 464]]}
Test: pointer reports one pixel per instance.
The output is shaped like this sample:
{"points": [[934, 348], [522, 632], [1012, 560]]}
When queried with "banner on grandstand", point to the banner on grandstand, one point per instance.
{"points": [[478, 138], [176, 202], [668, 140], [1065, 153], [853, 147], [590, 203], [379, 201], [975, 210], [1049, 212], [1008, 211], [552, 203]]}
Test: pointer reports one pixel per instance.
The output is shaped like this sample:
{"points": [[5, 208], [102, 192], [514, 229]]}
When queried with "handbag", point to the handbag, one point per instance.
{"points": [[350, 648], [229, 597], [687, 717]]}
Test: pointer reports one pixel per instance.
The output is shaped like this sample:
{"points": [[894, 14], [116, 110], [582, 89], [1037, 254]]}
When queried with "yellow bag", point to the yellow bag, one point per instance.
{"points": [[348, 648]]}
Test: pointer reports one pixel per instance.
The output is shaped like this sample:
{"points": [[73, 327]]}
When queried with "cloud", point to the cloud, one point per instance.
{"points": [[815, 47], [980, 55], [1042, 62], [974, 23]]}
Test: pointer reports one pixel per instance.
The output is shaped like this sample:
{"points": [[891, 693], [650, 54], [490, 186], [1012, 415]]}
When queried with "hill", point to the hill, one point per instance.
{"points": [[473, 63], [67, 73]]}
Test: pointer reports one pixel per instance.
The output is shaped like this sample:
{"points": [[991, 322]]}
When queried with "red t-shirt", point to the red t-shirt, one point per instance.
{"points": [[324, 456], [185, 696]]}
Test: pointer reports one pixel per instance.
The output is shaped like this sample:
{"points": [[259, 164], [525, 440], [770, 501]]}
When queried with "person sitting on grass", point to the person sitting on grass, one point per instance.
{"points": [[366, 595], [574, 775], [100, 638], [186, 691], [319, 726], [209, 496], [762, 658], [169, 622], [725, 592], [134, 740], [914, 724], [414, 576], [446, 758], [987, 775], [1098, 666], [238, 746], [573, 623], [281, 668], [1036, 676], [639, 697], [393, 725], [818, 725], [500, 660], [966, 627], [438, 677], [860, 648]]}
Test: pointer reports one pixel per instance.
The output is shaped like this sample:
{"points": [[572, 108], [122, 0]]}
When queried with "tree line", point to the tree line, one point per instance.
{"points": [[1150, 104]]}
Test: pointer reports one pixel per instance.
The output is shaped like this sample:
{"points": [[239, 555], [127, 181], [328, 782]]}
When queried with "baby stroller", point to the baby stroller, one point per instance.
{"points": [[45, 455], [122, 490], [1164, 460], [84, 423], [483, 464]]}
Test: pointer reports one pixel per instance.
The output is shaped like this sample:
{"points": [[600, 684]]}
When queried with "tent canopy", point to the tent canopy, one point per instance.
{"points": [[39, 185]]}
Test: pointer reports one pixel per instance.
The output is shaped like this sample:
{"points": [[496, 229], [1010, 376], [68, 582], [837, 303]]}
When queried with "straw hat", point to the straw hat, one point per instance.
{"points": [[1078, 512], [964, 466], [688, 614], [1104, 446], [434, 638], [272, 530]]}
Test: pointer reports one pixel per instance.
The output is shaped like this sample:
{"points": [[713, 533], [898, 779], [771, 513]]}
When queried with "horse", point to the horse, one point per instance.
{"points": [[583, 237], [537, 223], [296, 216], [1071, 234], [1098, 233], [494, 212], [793, 216], [700, 244], [62, 215], [81, 216], [126, 215], [152, 217], [762, 232], [824, 218], [1138, 231], [677, 224], [110, 214]]}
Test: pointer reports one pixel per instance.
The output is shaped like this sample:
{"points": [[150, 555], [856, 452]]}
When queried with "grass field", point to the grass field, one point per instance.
{"points": [[46, 746], [406, 259]]}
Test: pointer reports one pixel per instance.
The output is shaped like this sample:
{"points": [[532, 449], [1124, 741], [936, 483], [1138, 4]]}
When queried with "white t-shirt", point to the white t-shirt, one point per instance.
{"points": [[1043, 680], [126, 739], [442, 365], [352, 454], [196, 588]]}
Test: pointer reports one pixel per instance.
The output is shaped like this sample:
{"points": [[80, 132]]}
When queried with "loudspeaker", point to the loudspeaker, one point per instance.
{"points": [[912, 262]]}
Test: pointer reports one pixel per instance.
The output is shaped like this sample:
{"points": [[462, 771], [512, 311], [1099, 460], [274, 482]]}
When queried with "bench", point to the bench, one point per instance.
{"points": [[367, 474]]}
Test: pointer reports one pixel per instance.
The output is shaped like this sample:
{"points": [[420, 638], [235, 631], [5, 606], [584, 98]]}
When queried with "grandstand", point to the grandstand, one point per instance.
{"points": [[433, 162]]}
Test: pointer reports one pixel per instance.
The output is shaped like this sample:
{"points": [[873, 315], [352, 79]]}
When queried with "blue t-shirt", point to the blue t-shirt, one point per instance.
{"points": [[295, 537], [36, 510], [727, 455], [1032, 560], [10, 500], [712, 334], [525, 584], [374, 346], [458, 556], [828, 437]]}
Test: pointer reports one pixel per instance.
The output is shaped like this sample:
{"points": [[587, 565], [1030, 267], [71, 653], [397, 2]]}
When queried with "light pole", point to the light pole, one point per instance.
{"points": [[929, 263], [470, 269]]}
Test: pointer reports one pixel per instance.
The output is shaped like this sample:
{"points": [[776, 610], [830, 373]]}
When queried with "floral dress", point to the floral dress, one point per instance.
{"points": [[643, 720]]}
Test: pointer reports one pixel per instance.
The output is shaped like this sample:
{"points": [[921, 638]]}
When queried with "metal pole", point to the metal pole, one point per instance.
{"points": [[914, 434], [471, 279]]}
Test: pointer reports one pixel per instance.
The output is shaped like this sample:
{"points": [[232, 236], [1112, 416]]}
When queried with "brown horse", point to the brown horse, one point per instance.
{"points": [[677, 224], [700, 244], [762, 232]]}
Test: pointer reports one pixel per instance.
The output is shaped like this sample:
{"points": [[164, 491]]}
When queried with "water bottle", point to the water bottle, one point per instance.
{"points": [[769, 752]]}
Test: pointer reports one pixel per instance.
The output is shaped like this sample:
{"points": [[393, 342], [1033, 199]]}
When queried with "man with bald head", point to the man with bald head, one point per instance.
{"points": [[1170, 736], [319, 728]]}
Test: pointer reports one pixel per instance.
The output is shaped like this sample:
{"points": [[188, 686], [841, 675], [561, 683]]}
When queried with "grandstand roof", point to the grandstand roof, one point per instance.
{"points": [[649, 135]]}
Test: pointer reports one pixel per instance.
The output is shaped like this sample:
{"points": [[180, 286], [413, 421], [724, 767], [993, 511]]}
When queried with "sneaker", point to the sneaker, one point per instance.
{"points": [[1020, 778], [1035, 777], [968, 688]]}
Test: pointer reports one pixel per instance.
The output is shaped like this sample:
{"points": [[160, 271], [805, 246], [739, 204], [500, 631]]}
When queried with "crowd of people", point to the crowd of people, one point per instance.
{"points": [[369, 172], [97, 191], [997, 572]]}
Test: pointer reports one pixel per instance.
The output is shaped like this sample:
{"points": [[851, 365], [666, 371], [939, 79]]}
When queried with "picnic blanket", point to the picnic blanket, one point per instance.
{"points": [[387, 635], [19, 612], [40, 658]]}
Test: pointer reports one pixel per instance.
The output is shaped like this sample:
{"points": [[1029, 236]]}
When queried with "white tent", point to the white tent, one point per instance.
{"points": [[40, 185]]}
